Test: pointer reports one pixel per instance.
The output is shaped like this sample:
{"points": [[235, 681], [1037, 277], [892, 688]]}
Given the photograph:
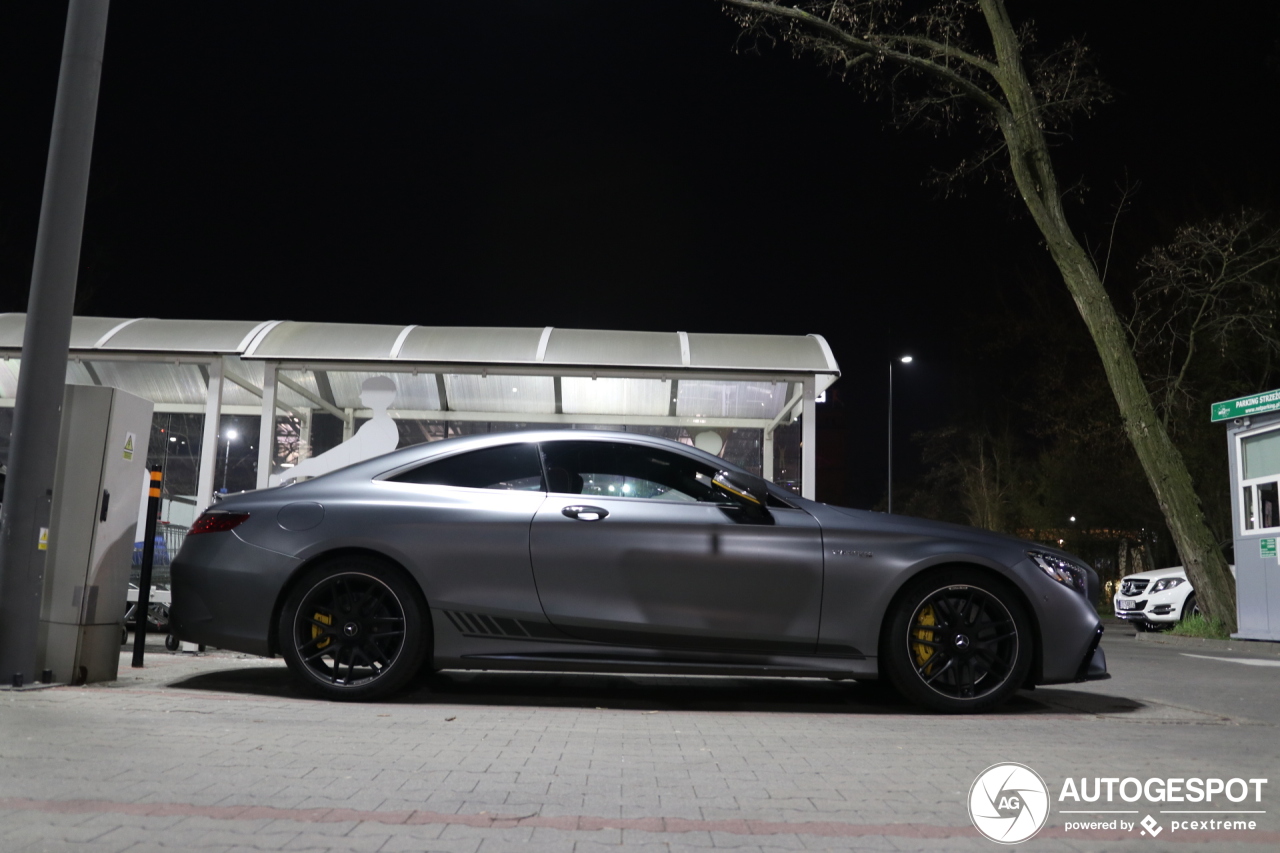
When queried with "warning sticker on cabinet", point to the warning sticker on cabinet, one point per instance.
{"points": [[129, 439]]}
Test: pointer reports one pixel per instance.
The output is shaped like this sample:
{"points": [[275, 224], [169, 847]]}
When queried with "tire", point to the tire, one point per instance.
{"points": [[171, 643], [1190, 607], [354, 628], [958, 641]]}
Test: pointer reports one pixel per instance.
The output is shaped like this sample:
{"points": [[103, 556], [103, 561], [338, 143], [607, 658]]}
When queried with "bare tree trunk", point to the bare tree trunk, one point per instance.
{"points": [[1165, 469]]}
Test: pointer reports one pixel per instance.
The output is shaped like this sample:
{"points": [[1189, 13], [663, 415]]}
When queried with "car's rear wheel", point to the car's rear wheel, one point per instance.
{"points": [[958, 641], [354, 628]]}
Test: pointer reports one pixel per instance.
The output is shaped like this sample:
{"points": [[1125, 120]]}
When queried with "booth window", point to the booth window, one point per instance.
{"points": [[1260, 480]]}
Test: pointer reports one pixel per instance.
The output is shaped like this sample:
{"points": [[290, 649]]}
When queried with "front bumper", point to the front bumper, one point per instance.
{"points": [[1094, 665], [1160, 608]]}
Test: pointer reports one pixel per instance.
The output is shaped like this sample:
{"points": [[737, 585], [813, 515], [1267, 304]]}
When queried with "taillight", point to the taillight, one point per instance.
{"points": [[217, 522]]}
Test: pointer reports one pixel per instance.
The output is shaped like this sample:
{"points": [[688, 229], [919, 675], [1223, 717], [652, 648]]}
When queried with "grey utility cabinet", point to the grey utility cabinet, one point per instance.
{"points": [[97, 491]]}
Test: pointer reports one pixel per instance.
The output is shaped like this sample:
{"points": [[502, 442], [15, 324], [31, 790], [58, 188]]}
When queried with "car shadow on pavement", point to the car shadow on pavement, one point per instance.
{"points": [[656, 693]]}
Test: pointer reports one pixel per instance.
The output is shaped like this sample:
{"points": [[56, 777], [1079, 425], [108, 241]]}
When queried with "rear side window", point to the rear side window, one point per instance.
{"points": [[511, 466]]}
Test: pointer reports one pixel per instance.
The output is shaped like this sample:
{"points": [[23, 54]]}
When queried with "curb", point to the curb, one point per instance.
{"points": [[1255, 647]]}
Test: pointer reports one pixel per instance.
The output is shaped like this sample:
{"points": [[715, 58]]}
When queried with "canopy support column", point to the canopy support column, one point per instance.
{"points": [[267, 430], [209, 439], [304, 434], [766, 468], [809, 442], [766, 454]]}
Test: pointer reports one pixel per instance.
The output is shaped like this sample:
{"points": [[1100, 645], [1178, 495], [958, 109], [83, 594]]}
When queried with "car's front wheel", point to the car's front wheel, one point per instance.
{"points": [[354, 628], [1190, 607], [958, 641]]}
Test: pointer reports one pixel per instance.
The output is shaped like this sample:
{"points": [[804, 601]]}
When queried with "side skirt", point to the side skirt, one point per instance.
{"points": [[774, 667]]}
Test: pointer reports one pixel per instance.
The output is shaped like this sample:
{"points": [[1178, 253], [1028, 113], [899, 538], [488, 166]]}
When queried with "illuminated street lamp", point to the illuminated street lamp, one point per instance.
{"points": [[906, 359], [226, 460]]}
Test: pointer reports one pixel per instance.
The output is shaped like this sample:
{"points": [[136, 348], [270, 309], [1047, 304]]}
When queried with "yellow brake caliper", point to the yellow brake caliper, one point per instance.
{"points": [[315, 631], [924, 621]]}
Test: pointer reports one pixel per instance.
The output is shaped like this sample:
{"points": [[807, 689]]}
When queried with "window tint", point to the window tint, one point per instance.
{"points": [[511, 466], [627, 471]]}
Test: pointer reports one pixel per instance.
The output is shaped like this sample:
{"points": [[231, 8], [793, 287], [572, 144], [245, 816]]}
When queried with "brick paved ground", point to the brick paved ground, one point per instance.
{"points": [[221, 753]]}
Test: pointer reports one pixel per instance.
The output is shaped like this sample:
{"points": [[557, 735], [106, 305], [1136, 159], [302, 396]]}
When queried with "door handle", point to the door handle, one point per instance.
{"points": [[585, 513]]}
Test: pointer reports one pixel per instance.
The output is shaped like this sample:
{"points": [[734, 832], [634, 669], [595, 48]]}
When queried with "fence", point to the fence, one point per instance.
{"points": [[169, 539]]}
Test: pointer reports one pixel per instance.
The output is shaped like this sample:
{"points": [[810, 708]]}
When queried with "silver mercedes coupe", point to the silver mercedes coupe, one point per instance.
{"points": [[592, 551]]}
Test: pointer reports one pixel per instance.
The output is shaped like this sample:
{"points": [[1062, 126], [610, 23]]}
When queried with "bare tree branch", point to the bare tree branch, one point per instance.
{"points": [[1216, 284], [880, 47], [970, 50]]}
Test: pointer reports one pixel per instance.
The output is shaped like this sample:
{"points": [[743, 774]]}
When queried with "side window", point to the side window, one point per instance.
{"points": [[511, 467], [1260, 480], [620, 470]]}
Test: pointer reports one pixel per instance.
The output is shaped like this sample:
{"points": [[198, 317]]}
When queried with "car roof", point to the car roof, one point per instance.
{"points": [[447, 447]]}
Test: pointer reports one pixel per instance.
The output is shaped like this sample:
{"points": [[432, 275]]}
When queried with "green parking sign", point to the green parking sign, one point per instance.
{"points": [[1255, 404]]}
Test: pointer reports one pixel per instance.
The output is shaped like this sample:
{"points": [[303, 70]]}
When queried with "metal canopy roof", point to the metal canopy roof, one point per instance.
{"points": [[338, 342], [495, 370], [509, 375]]}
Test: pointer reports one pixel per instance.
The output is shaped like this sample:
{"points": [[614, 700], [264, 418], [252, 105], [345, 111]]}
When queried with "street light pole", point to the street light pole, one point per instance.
{"points": [[226, 460], [37, 416], [906, 359]]}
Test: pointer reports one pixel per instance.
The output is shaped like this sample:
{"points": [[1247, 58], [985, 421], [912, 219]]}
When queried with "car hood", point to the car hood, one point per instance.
{"points": [[1158, 574], [1171, 572], [859, 519]]}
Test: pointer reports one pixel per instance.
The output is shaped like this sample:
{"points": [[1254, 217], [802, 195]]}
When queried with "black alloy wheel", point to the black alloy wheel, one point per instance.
{"points": [[959, 641], [354, 629]]}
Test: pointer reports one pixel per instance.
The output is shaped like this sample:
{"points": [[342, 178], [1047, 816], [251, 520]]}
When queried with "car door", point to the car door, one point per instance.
{"points": [[463, 521], [633, 546]]}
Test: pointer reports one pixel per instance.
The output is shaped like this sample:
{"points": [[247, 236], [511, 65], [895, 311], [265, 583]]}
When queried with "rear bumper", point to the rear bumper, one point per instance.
{"points": [[225, 592]]}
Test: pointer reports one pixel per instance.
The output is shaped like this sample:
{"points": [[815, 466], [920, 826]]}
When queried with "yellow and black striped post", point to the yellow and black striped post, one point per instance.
{"points": [[148, 555]]}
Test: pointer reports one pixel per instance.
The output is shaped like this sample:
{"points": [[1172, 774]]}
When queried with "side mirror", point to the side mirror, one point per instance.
{"points": [[748, 490]]}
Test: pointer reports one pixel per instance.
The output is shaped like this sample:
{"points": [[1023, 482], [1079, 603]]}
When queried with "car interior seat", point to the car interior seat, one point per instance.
{"points": [[564, 481]]}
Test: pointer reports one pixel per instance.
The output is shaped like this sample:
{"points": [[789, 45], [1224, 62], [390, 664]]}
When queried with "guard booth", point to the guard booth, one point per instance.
{"points": [[1253, 451]]}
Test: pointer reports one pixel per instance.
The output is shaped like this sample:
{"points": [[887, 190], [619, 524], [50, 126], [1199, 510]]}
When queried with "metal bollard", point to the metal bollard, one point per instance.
{"points": [[148, 555]]}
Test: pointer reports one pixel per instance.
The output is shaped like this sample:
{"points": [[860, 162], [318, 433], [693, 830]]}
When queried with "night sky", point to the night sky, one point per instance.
{"points": [[602, 164]]}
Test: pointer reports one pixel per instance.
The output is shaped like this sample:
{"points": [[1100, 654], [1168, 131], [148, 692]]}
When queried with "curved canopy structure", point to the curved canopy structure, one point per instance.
{"points": [[444, 373]]}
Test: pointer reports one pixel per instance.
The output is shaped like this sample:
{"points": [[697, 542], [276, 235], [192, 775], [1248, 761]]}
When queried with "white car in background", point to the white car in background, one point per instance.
{"points": [[1156, 599]]}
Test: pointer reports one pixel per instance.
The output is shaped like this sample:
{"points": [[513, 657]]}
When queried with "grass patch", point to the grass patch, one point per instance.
{"points": [[1198, 626]]}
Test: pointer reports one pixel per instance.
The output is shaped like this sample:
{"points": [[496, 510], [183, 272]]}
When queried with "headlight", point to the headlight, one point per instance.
{"points": [[1167, 583], [1063, 571]]}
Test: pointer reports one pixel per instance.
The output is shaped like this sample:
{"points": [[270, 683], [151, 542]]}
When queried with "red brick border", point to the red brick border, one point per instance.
{"points": [[585, 823]]}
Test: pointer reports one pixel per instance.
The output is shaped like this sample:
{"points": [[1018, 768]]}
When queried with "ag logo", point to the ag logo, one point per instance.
{"points": [[1008, 803]]}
